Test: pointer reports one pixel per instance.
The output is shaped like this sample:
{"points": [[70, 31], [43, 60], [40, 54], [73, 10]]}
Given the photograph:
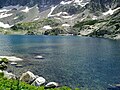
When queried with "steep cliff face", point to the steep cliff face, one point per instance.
{"points": [[28, 2], [78, 6], [103, 5]]}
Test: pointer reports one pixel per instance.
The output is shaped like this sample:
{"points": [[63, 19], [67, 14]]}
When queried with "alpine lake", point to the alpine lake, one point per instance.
{"points": [[75, 61]]}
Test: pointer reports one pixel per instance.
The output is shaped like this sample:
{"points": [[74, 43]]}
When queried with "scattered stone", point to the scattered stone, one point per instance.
{"points": [[9, 75], [19, 66], [117, 85], [13, 63], [39, 81], [5, 60], [52, 85], [114, 87], [39, 57], [28, 77], [3, 66], [11, 58]]}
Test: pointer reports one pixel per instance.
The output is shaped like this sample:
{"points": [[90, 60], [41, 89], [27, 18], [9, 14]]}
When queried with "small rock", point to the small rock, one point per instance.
{"points": [[52, 85], [114, 87], [5, 60], [39, 81], [117, 85], [39, 57], [19, 66], [13, 63], [9, 75], [11, 58], [28, 77], [3, 66]]}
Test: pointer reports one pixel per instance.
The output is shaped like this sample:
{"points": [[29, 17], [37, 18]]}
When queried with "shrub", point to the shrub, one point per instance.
{"points": [[6, 84], [5, 60]]}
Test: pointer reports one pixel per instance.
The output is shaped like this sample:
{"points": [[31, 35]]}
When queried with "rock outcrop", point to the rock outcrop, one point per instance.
{"points": [[32, 79], [52, 85], [28, 77], [39, 81]]}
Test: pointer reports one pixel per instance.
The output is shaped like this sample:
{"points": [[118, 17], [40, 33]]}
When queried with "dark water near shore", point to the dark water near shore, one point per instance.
{"points": [[92, 63]]}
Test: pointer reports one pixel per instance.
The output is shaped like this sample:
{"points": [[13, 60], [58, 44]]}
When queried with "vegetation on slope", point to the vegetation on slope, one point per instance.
{"points": [[6, 84], [35, 27], [110, 27]]}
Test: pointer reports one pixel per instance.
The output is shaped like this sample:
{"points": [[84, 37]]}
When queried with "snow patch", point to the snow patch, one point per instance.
{"points": [[67, 17], [110, 11], [3, 15], [81, 2], [94, 18], [65, 25], [65, 2], [16, 18], [4, 10], [82, 19], [60, 14], [26, 10], [52, 9], [47, 27], [36, 19], [4, 25]]}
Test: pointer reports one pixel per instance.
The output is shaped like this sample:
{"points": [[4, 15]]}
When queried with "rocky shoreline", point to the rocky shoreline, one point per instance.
{"points": [[27, 77]]}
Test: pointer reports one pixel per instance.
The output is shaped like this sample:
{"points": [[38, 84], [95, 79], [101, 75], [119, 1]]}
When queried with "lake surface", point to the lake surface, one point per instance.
{"points": [[84, 62]]}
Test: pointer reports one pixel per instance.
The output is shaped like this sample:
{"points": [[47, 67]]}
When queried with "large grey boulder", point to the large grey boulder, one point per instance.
{"points": [[39, 81], [52, 85], [28, 77], [32, 79], [9, 75]]}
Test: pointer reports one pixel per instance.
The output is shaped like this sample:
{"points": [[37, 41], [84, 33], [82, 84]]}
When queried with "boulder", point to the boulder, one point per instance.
{"points": [[19, 66], [39, 57], [3, 66], [28, 77], [10, 58], [114, 87], [4, 60], [9, 75], [39, 81], [52, 85], [13, 63]]}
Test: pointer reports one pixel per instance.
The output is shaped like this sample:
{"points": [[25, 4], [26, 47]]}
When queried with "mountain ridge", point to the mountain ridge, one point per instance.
{"points": [[68, 13]]}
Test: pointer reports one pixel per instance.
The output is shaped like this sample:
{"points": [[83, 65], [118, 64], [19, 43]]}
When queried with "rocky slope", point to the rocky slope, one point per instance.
{"points": [[108, 28], [90, 18], [78, 17], [41, 3], [16, 11]]}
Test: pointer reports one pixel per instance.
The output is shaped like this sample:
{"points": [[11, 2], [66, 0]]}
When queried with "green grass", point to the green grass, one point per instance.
{"points": [[6, 84], [35, 24]]}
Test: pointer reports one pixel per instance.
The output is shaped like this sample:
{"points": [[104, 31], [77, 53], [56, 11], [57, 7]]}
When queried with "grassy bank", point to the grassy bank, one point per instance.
{"points": [[6, 84]]}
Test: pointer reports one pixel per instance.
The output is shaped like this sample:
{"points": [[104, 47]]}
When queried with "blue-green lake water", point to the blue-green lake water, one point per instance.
{"points": [[85, 62]]}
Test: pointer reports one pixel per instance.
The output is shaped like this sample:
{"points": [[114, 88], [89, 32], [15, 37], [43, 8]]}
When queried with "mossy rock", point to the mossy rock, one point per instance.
{"points": [[3, 67], [5, 60], [1, 74]]}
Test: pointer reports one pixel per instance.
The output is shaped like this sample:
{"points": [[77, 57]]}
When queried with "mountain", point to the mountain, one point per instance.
{"points": [[41, 3], [99, 18], [16, 11], [78, 17]]}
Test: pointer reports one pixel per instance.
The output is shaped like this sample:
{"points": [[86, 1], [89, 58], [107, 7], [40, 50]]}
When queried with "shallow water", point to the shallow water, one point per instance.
{"points": [[85, 62]]}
